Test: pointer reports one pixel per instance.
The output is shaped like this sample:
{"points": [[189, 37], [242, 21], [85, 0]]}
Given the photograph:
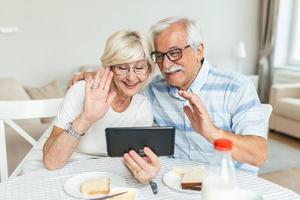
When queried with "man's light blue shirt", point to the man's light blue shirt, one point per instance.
{"points": [[230, 99]]}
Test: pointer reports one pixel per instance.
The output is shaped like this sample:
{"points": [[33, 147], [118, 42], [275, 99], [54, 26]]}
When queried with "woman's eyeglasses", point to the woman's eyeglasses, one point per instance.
{"points": [[139, 68]]}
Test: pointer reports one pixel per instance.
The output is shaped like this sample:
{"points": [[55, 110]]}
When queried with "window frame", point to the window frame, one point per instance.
{"points": [[295, 15]]}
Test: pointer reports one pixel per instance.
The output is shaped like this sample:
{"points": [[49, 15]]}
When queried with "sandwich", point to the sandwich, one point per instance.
{"points": [[191, 177], [192, 180], [95, 186]]}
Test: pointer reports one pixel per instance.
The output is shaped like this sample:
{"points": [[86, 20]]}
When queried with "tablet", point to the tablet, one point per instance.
{"points": [[123, 139]]}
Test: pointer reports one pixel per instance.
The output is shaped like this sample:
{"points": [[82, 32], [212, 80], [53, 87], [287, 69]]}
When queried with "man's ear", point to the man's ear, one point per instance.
{"points": [[200, 52]]}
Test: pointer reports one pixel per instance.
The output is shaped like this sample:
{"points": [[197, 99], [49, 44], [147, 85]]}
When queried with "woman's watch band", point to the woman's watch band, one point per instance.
{"points": [[69, 129]]}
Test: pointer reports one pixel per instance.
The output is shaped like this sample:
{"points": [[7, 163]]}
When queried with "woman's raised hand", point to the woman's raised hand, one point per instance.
{"points": [[98, 96]]}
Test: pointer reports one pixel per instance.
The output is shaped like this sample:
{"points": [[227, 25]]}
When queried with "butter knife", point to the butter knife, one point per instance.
{"points": [[110, 196]]}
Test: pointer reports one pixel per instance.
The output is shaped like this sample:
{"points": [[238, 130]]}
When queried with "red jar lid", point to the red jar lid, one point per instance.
{"points": [[223, 144]]}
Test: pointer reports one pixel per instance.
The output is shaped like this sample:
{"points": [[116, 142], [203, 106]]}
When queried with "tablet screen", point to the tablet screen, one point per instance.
{"points": [[123, 139]]}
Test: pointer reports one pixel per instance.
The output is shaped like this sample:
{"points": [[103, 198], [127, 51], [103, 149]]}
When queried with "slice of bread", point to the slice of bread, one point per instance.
{"points": [[95, 186], [181, 170], [191, 177]]}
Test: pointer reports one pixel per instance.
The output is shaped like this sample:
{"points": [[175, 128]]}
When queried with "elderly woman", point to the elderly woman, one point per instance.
{"points": [[111, 99]]}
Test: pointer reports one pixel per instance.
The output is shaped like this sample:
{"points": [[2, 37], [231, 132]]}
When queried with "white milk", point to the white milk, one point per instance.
{"points": [[216, 189]]}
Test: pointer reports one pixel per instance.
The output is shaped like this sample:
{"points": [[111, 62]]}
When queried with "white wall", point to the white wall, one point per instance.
{"points": [[56, 37]]}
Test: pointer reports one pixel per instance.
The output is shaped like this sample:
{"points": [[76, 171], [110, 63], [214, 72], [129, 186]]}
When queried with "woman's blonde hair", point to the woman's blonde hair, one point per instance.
{"points": [[127, 46]]}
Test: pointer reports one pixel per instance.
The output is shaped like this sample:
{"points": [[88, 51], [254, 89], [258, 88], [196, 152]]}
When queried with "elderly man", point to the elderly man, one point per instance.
{"points": [[202, 102]]}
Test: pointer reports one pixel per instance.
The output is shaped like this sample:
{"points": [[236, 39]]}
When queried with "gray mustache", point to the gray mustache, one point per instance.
{"points": [[173, 69]]}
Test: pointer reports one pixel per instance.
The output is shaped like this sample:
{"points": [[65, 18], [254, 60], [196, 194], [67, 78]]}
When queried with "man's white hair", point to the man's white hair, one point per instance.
{"points": [[194, 36]]}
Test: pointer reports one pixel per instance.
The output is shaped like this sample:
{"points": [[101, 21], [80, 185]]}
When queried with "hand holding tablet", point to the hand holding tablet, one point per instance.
{"points": [[131, 142]]}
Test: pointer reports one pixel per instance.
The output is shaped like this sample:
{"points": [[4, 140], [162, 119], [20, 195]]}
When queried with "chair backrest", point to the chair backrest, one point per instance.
{"points": [[28, 109], [267, 110]]}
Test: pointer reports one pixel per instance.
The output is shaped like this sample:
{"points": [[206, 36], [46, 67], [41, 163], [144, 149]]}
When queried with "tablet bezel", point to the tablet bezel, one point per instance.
{"points": [[119, 140]]}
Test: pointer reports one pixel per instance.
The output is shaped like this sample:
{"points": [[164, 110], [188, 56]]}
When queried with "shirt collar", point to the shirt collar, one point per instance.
{"points": [[198, 82]]}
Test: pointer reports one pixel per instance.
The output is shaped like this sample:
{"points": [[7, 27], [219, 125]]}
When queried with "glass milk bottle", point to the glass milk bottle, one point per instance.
{"points": [[220, 181]]}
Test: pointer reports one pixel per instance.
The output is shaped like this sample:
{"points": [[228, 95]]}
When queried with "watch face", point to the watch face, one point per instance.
{"points": [[68, 125]]}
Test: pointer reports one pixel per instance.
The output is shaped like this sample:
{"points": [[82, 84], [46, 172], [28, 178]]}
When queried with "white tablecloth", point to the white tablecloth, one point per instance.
{"points": [[44, 184]]}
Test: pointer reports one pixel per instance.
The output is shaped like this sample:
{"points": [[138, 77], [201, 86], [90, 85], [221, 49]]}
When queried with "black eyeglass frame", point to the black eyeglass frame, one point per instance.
{"points": [[154, 53]]}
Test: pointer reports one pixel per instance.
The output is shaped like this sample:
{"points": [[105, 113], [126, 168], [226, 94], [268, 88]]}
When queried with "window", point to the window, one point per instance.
{"points": [[294, 50]]}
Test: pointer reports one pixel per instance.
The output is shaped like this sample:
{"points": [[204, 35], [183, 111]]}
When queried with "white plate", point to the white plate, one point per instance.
{"points": [[250, 195], [174, 181], [72, 185], [124, 189]]}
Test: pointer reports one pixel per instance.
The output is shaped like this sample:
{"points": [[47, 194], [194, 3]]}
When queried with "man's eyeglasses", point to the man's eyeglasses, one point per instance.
{"points": [[139, 68], [173, 55]]}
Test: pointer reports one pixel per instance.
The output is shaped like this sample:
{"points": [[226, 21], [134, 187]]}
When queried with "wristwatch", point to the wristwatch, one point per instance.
{"points": [[69, 129]]}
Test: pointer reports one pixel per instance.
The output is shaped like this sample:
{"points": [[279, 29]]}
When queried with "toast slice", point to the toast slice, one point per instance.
{"points": [[95, 186]]}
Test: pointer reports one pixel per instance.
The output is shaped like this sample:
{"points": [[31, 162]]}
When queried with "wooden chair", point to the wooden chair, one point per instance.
{"points": [[14, 110]]}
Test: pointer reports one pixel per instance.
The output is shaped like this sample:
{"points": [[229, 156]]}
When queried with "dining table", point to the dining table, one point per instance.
{"points": [[44, 184]]}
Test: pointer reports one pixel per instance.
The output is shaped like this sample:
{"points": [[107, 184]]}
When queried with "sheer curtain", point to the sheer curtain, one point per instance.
{"points": [[267, 22]]}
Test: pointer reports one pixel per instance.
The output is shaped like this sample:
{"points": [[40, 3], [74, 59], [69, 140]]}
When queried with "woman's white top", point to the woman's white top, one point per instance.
{"points": [[138, 113], [93, 143]]}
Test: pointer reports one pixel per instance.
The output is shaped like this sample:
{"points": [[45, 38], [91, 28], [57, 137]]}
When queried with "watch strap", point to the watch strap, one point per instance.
{"points": [[70, 130]]}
